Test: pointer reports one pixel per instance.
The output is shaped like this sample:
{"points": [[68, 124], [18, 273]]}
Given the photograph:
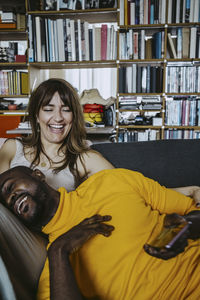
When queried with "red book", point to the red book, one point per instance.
{"points": [[104, 29]]}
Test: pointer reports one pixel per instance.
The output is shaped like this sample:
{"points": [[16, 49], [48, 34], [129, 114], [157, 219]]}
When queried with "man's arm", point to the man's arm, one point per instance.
{"points": [[63, 284]]}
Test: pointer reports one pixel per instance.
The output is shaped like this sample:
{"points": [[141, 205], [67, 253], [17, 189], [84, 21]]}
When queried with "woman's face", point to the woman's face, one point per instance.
{"points": [[55, 120]]}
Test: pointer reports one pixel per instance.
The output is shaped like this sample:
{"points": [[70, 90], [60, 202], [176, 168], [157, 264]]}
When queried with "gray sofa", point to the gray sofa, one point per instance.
{"points": [[172, 163]]}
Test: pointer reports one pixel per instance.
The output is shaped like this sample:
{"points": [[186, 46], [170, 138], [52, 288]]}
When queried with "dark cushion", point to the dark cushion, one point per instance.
{"points": [[172, 163]]}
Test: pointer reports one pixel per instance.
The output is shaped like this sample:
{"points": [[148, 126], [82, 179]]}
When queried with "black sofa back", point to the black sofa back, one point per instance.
{"points": [[172, 163]]}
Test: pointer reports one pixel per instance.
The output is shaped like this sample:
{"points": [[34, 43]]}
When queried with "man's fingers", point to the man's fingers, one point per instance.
{"points": [[166, 253], [173, 219], [96, 219]]}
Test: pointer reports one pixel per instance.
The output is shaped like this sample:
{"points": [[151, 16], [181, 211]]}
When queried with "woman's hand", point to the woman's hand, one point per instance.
{"points": [[196, 196], [190, 191], [73, 239]]}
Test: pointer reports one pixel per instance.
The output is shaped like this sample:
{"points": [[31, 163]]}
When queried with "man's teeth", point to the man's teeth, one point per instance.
{"points": [[20, 204], [57, 126]]}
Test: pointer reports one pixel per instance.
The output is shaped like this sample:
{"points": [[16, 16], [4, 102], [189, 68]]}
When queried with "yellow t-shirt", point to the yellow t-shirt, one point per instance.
{"points": [[117, 268]]}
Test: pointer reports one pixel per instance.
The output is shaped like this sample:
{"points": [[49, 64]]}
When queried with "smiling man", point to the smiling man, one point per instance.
{"points": [[118, 267]]}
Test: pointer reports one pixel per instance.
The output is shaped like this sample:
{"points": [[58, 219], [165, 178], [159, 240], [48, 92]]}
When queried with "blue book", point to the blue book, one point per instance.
{"points": [[152, 12], [50, 41], [187, 11], [157, 45]]}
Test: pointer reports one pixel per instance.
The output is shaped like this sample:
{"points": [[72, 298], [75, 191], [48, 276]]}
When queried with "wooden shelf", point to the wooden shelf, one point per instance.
{"points": [[75, 64]]}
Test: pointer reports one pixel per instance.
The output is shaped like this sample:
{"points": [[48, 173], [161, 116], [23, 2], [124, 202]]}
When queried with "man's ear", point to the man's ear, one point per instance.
{"points": [[37, 173]]}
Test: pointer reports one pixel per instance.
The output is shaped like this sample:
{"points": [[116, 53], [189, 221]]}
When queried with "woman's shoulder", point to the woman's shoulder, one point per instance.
{"points": [[7, 152], [9, 145], [95, 162]]}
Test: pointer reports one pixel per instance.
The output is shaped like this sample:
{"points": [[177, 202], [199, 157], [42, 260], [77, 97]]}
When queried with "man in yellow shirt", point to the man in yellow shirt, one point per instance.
{"points": [[117, 268]]}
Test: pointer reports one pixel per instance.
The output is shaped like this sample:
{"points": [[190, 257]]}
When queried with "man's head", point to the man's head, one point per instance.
{"points": [[25, 192]]}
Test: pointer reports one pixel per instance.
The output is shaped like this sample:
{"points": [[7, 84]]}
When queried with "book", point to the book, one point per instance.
{"points": [[87, 51], [142, 44], [8, 25], [83, 47], [38, 39], [104, 28], [157, 44], [187, 11], [21, 21], [91, 44], [178, 11], [193, 35], [72, 34], [30, 34], [97, 32], [76, 40], [24, 83], [121, 13], [148, 48], [171, 46], [55, 39], [61, 45], [185, 42], [169, 12], [179, 42], [132, 13], [79, 40]]}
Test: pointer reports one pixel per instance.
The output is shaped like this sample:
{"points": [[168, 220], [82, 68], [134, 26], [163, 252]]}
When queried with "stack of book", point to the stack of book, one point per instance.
{"points": [[7, 20]]}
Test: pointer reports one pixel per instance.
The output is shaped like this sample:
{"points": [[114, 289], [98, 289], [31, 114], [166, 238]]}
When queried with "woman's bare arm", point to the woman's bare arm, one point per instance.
{"points": [[191, 191], [7, 152]]}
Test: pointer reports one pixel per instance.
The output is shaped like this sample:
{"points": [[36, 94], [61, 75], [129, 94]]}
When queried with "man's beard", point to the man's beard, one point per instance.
{"points": [[34, 221]]}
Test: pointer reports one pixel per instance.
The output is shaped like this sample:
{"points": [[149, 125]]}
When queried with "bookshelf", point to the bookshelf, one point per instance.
{"points": [[151, 64], [14, 83], [159, 61]]}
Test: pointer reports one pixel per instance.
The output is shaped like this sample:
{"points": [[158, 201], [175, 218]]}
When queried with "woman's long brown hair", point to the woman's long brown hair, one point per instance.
{"points": [[74, 143]]}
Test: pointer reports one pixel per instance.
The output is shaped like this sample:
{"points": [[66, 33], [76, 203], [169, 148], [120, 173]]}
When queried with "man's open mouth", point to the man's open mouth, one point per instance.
{"points": [[21, 204]]}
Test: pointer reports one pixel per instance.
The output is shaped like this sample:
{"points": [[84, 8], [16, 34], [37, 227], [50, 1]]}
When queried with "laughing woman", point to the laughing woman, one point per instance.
{"points": [[57, 145]]}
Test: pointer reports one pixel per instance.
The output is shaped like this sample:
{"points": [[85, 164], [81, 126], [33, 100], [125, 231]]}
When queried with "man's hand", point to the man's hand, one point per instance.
{"points": [[194, 229], [63, 285], [170, 221], [73, 239]]}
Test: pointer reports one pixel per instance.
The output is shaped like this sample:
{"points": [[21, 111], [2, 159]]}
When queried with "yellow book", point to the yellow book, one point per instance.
{"points": [[24, 83]]}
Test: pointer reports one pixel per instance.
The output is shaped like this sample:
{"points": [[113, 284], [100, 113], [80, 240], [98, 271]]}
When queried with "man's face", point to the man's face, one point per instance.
{"points": [[23, 193]]}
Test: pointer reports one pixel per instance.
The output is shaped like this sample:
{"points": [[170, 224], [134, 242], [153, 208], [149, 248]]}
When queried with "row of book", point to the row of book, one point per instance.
{"points": [[175, 134], [13, 82], [140, 102], [70, 40], [183, 11], [140, 79], [182, 112], [182, 79], [126, 136], [184, 42], [137, 45], [181, 43], [70, 4], [155, 11], [142, 12]]}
